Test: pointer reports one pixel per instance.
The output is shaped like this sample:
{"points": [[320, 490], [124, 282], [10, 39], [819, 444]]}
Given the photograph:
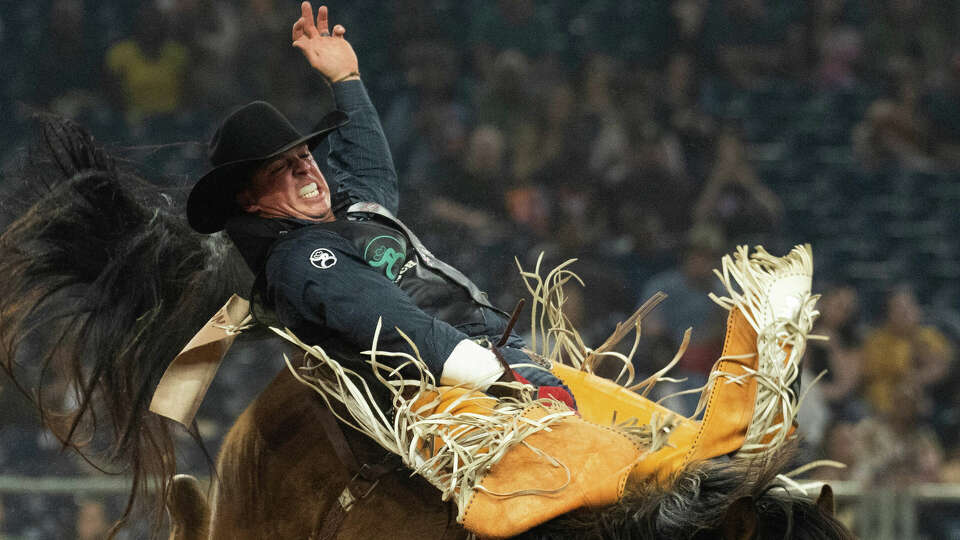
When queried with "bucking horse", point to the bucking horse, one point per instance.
{"points": [[106, 291]]}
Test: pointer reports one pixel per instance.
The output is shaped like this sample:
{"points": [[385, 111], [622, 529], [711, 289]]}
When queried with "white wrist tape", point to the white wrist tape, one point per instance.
{"points": [[472, 365]]}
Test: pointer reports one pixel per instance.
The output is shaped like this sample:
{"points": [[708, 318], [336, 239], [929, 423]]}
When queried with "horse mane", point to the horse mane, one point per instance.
{"points": [[103, 283], [695, 504]]}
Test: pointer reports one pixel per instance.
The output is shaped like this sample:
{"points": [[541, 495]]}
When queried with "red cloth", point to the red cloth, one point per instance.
{"points": [[552, 392]]}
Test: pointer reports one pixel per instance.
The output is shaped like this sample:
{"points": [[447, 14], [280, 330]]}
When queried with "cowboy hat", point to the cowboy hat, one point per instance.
{"points": [[249, 136]]}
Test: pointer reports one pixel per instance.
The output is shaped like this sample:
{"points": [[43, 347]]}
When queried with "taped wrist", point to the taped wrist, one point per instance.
{"points": [[471, 365]]}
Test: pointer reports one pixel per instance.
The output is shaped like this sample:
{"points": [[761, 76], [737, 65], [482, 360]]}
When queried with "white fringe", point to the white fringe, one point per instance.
{"points": [[471, 443], [748, 279], [551, 335], [776, 406], [805, 489], [554, 339]]}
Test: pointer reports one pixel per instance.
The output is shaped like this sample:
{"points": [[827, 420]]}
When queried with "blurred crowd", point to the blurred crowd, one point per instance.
{"points": [[645, 139]]}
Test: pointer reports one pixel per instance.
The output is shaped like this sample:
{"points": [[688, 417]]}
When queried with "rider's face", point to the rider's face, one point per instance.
{"points": [[289, 185]]}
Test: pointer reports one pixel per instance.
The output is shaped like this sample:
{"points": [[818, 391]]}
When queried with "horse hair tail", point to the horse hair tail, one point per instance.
{"points": [[102, 284]]}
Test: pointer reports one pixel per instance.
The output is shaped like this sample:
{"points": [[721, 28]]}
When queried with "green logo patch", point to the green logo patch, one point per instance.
{"points": [[387, 253]]}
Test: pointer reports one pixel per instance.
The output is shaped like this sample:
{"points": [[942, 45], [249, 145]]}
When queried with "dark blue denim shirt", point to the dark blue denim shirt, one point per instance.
{"points": [[359, 155]]}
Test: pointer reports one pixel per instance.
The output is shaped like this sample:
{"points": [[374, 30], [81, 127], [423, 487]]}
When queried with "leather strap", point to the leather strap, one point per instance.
{"points": [[513, 320], [186, 380], [364, 480], [338, 441], [331, 523], [368, 472]]}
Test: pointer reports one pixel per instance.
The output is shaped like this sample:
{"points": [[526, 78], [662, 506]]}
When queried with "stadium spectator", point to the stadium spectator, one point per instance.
{"points": [[902, 352], [839, 444], [687, 305], [526, 26], [149, 69], [211, 32], [840, 356], [546, 146], [473, 196], [427, 121], [679, 111], [504, 98], [898, 448], [920, 30], [68, 42], [689, 18], [838, 42], [940, 108], [893, 132], [747, 37], [734, 197]]}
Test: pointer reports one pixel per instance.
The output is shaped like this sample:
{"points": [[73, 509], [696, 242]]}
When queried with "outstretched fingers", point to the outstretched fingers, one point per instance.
{"points": [[329, 53], [304, 25], [323, 25]]}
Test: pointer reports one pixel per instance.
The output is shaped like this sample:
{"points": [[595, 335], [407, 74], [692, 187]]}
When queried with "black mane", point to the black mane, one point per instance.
{"points": [[695, 506], [102, 284]]}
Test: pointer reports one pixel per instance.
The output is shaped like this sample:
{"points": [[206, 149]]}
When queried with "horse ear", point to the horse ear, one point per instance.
{"points": [[740, 521], [188, 509], [825, 501]]}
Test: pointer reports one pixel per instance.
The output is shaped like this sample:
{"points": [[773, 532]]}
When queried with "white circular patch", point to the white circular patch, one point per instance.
{"points": [[323, 258]]}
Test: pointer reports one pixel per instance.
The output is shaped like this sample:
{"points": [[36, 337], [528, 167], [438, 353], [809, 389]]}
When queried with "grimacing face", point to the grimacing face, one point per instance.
{"points": [[289, 185]]}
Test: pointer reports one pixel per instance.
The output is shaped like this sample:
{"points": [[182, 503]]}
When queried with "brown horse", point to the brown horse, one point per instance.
{"points": [[102, 285], [278, 476]]}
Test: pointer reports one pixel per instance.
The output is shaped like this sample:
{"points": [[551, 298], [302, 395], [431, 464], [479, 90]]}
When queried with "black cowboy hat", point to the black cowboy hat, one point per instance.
{"points": [[252, 134]]}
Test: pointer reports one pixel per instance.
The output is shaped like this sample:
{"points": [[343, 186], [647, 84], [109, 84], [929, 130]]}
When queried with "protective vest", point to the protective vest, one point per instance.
{"points": [[435, 286]]}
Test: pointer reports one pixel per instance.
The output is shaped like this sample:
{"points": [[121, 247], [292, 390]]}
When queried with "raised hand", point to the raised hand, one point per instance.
{"points": [[330, 54]]}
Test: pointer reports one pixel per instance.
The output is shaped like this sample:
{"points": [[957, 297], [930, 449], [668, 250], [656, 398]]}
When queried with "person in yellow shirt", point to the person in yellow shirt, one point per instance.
{"points": [[149, 69], [903, 352]]}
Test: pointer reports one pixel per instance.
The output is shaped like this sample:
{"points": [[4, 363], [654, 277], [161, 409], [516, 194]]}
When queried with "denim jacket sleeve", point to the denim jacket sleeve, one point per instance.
{"points": [[359, 154]]}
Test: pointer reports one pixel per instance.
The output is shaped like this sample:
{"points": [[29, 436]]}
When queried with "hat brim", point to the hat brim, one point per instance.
{"points": [[212, 200]]}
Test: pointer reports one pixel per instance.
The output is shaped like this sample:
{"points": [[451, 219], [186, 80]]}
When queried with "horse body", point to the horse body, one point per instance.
{"points": [[278, 476]]}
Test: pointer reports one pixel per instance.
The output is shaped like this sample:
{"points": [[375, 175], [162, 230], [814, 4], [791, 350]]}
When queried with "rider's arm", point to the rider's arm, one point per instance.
{"points": [[319, 280], [359, 155]]}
